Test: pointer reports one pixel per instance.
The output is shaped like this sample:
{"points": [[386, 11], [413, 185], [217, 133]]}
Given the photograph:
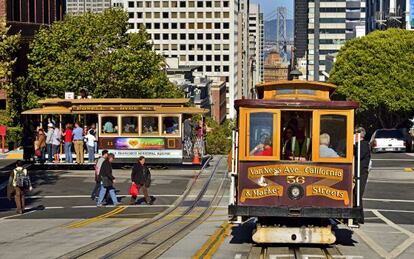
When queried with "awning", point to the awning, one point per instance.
{"points": [[49, 110]]}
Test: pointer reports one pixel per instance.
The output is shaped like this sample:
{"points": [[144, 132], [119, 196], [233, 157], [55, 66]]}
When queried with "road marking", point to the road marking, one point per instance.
{"points": [[371, 243], [387, 200], [392, 159], [214, 242], [85, 222], [408, 169], [403, 246], [16, 215], [88, 196], [402, 211]]}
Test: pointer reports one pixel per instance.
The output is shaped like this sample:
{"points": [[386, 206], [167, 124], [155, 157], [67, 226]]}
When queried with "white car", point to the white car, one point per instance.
{"points": [[385, 140]]}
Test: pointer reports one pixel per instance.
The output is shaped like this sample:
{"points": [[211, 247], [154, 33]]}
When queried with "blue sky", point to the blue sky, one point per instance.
{"points": [[268, 7]]}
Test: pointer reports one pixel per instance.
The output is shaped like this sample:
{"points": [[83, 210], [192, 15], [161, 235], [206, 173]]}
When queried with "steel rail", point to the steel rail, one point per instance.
{"points": [[158, 229], [133, 229]]}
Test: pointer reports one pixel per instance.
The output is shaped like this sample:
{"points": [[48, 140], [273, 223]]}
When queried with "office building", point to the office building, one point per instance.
{"points": [[198, 33], [256, 41], [275, 68], [83, 6], [330, 24]]}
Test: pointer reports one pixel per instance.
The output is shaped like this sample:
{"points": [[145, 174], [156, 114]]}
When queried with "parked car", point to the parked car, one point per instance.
{"points": [[385, 140]]}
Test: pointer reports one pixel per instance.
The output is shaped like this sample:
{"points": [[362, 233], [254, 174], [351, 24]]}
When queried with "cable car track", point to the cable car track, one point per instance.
{"points": [[139, 241], [296, 252]]}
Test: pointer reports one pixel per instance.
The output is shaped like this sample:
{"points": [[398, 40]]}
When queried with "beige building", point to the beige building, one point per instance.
{"points": [[274, 68]]}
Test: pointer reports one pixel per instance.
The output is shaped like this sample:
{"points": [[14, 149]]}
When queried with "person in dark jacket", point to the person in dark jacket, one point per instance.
{"points": [[364, 164], [107, 181], [141, 176]]}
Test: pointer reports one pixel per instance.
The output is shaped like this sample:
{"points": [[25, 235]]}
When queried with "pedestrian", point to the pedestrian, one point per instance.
{"points": [[56, 139], [78, 143], [19, 182], [41, 138], [49, 137], [95, 191], [107, 181], [364, 162], [67, 134], [141, 176], [90, 144]]}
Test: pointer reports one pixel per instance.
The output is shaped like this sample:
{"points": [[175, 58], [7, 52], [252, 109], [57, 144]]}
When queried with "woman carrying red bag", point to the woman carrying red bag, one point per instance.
{"points": [[140, 176]]}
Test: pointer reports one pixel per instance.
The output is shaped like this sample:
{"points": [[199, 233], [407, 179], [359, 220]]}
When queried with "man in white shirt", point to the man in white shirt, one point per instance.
{"points": [[324, 149]]}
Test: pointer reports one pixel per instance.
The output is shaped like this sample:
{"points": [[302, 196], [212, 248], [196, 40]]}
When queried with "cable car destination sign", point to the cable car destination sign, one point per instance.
{"points": [[264, 176]]}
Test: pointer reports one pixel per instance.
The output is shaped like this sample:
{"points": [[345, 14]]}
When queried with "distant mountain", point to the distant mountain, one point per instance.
{"points": [[270, 29]]}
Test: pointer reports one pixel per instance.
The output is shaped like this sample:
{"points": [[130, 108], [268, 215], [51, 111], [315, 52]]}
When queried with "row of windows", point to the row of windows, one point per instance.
{"points": [[174, 25], [173, 36], [174, 4], [193, 47], [140, 125], [332, 41], [332, 20], [181, 15], [330, 31]]}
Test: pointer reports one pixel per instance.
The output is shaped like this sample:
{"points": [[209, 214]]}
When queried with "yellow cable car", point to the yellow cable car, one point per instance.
{"points": [[293, 162]]}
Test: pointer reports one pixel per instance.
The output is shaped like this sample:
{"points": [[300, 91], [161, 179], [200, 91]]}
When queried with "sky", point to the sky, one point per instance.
{"points": [[268, 7]]}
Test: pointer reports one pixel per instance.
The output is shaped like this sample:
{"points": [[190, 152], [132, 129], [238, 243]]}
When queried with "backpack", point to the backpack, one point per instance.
{"points": [[22, 180]]}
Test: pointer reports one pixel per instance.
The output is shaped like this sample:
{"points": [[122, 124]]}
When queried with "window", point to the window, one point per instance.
{"points": [[165, 4], [226, 4], [191, 26], [199, 46], [149, 125], [200, 25], [148, 4], [174, 15], [183, 58], [208, 47], [139, 15], [174, 25], [208, 58], [157, 15], [226, 47], [200, 36], [332, 138], [129, 125], [209, 4], [191, 4], [174, 4], [217, 69], [226, 57], [217, 25], [208, 68], [226, 15], [209, 25], [165, 15], [191, 15], [217, 36], [110, 124], [156, 25], [183, 47], [148, 15], [139, 4], [296, 141], [174, 46], [157, 47], [182, 25], [261, 134], [217, 4], [191, 36], [165, 36], [199, 4], [173, 36], [209, 15], [148, 25], [156, 36], [182, 4], [199, 57], [157, 4], [217, 15], [200, 15], [191, 47], [226, 69], [165, 25], [208, 36], [131, 25], [131, 4], [182, 15], [216, 57], [182, 36], [226, 36], [216, 46], [131, 15], [191, 57]]}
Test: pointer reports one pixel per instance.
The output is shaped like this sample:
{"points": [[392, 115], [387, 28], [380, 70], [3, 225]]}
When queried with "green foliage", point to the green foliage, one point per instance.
{"points": [[93, 51], [219, 138], [377, 71], [8, 47], [14, 134]]}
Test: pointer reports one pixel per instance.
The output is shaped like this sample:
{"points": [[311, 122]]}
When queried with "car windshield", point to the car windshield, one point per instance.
{"points": [[389, 134]]}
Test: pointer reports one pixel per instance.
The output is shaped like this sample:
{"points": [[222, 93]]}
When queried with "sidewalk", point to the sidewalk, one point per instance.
{"points": [[13, 154]]}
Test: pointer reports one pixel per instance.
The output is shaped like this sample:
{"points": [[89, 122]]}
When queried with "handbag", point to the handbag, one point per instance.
{"points": [[38, 153], [133, 190]]}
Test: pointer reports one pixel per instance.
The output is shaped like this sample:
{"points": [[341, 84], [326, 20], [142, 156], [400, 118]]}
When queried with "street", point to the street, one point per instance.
{"points": [[62, 221]]}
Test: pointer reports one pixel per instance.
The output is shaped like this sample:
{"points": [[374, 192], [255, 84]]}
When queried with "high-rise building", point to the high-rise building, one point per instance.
{"points": [[256, 41], [83, 6], [329, 24], [243, 51], [199, 33]]}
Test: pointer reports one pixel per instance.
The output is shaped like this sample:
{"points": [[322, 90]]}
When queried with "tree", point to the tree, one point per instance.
{"points": [[94, 51], [218, 140], [377, 71], [9, 45]]}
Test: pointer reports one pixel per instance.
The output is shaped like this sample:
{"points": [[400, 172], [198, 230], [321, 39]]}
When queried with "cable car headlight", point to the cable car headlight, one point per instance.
{"points": [[295, 192]]}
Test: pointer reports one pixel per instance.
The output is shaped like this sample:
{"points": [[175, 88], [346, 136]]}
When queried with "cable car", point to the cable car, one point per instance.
{"points": [[293, 163]]}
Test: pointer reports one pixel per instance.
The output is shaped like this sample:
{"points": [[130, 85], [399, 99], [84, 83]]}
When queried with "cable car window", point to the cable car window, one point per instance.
{"points": [[296, 142], [261, 134], [110, 124], [170, 125], [130, 125], [332, 139], [285, 91], [149, 125], [306, 91]]}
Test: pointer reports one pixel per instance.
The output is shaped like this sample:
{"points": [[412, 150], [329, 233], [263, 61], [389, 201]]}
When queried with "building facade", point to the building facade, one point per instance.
{"points": [[256, 42], [198, 33], [83, 6], [274, 67], [330, 25]]}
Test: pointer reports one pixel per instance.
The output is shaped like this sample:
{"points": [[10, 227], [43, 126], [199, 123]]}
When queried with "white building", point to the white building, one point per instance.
{"points": [[331, 24], [256, 41], [199, 33], [83, 6]]}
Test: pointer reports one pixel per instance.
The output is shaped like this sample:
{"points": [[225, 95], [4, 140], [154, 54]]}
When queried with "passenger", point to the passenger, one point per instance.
{"points": [[19, 182], [300, 147], [56, 139], [141, 176], [107, 181], [287, 142], [200, 133], [95, 191], [108, 127], [49, 138], [93, 128], [264, 148], [41, 138], [78, 141], [365, 159], [324, 149], [67, 134], [90, 144]]}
